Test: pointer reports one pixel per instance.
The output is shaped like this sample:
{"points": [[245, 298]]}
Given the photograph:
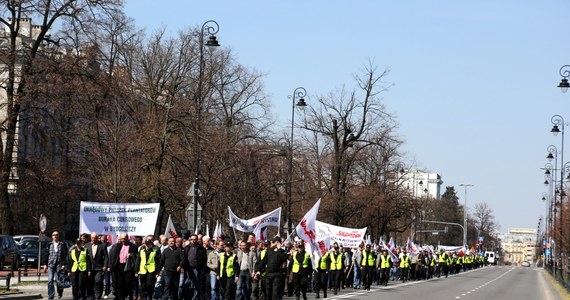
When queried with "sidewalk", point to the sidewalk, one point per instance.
{"points": [[29, 287]]}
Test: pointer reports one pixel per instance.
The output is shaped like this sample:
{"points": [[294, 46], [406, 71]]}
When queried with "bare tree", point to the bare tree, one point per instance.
{"points": [[21, 46], [344, 124]]}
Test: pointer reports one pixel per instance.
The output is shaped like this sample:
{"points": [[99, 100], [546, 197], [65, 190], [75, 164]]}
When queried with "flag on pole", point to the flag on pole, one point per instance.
{"points": [[260, 233], [207, 230], [170, 231], [392, 255], [391, 244], [306, 228], [411, 247], [217, 232]]}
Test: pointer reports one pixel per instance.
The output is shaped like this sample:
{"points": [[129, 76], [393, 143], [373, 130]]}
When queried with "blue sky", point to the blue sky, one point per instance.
{"points": [[474, 81]]}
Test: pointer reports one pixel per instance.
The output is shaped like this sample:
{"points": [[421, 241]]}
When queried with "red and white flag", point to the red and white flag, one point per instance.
{"points": [[391, 244], [260, 233], [217, 232], [411, 247], [170, 231], [306, 229]]}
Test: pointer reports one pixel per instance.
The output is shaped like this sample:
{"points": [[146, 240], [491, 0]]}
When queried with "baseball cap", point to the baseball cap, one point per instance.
{"points": [[276, 239]]}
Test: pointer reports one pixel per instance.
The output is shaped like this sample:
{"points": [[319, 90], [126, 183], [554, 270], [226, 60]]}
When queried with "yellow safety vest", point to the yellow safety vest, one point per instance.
{"points": [[79, 262], [367, 259], [147, 265], [432, 263], [230, 268], [459, 260], [405, 261], [297, 265], [324, 261], [442, 258], [385, 262], [261, 256], [336, 262]]}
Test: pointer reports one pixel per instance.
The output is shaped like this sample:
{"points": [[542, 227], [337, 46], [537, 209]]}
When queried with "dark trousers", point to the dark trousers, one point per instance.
{"points": [[95, 284], [147, 282], [205, 284], [322, 281], [170, 287], [257, 288], [79, 284], [274, 286], [337, 279], [384, 275], [192, 286], [300, 283], [228, 285], [123, 282], [367, 275]]}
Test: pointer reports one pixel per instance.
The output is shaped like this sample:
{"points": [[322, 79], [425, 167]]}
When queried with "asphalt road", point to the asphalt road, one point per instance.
{"points": [[494, 282]]}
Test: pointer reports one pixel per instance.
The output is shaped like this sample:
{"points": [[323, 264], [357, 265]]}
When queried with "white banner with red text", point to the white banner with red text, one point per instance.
{"points": [[347, 237]]}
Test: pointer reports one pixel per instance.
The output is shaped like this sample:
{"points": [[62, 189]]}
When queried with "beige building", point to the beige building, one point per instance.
{"points": [[518, 245]]}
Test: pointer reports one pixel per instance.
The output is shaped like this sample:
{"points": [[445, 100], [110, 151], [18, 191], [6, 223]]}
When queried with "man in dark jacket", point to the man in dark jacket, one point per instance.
{"points": [[122, 259], [99, 257], [56, 262], [171, 262], [195, 259], [272, 264]]}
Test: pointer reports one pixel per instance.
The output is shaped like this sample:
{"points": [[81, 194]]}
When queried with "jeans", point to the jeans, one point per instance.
{"points": [[181, 286], [356, 281], [52, 279], [244, 286], [191, 286], [170, 287], [214, 288]]}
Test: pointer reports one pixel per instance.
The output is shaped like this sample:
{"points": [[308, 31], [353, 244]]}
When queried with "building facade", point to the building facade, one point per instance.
{"points": [[518, 245]]}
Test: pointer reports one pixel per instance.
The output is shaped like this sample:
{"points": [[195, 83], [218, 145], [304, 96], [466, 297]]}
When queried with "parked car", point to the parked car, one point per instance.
{"points": [[525, 263], [20, 238], [9, 252], [29, 251]]}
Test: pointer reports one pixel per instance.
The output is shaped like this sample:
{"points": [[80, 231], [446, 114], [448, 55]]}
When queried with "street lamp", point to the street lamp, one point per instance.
{"points": [[558, 127], [565, 73], [298, 94], [465, 185], [209, 28]]}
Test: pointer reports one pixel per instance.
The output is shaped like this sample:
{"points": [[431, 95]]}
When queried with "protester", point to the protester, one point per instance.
{"points": [[171, 261], [146, 268], [80, 269], [229, 275], [99, 257], [194, 263], [122, 259], [56, 262]]}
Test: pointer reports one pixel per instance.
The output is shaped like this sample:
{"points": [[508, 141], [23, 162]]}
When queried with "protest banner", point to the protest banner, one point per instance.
{"points": [[269, 219], [347, 237], [115, 218]]}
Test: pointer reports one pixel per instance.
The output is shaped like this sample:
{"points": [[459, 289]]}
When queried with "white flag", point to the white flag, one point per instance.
{"points": [[170, 231], [306, 229], [207, 230], [217, 232]]}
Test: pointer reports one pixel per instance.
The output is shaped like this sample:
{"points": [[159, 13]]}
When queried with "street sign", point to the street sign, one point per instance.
{"points": [[43, 223]]}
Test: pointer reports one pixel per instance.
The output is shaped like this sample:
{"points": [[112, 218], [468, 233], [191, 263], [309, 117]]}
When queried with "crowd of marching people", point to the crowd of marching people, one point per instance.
{"points": [[198, 268]]}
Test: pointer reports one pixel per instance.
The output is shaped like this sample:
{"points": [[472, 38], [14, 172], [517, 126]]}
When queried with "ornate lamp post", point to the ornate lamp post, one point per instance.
{"points": [[209, 28], [298, 94], [565, 73], [558, 127]]}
